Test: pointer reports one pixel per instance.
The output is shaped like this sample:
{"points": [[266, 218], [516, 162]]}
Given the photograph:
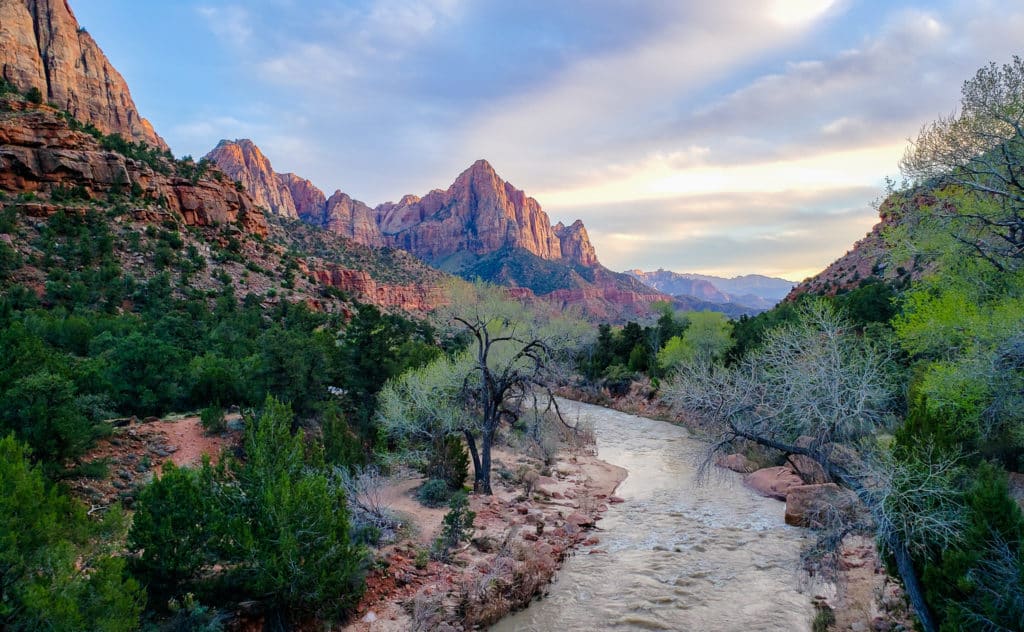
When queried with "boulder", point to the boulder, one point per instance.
{"points": [[773, 482], [735, 462], [809, 470], [813, 505]]}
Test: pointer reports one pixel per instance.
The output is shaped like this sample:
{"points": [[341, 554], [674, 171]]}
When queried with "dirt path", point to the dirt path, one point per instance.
{"points": [[135, 452]]}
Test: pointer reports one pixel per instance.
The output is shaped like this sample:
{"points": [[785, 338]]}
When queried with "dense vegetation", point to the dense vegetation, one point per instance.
{"points": [[910, 396], [93, 342]]}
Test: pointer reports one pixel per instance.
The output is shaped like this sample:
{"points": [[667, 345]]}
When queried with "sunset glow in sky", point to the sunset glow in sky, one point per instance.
{"points": [[725, 137]]}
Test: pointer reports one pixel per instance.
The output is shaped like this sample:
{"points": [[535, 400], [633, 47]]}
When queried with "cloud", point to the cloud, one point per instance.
{"points": [[791, 234], [698, 121], [230, 22]]}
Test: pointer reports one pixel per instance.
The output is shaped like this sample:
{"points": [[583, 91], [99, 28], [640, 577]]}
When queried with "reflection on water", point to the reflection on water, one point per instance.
{"points": [[680, 556]]}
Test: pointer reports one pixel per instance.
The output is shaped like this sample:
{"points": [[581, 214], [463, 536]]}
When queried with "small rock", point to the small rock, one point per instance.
{"points": [[579, 520], [370, 617], [616, 500], [532, 537]]}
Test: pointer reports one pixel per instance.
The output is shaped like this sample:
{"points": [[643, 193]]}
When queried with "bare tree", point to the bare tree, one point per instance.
{"points": [[817, 389], [981, 149], [514, 354], [364, 494]]}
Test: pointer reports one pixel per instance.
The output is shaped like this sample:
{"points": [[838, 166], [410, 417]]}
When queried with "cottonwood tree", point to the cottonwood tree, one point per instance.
{"points": [[818, 390], [514, 354], [980, 149]]}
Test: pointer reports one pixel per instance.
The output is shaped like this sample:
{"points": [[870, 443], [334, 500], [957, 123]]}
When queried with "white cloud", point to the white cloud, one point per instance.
{"points": [[230, 22]]}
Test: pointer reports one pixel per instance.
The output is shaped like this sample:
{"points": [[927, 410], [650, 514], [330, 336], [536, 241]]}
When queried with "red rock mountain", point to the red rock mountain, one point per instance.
{"points": [[41, 152], [478, 214], [243, 161], [44, 47]]}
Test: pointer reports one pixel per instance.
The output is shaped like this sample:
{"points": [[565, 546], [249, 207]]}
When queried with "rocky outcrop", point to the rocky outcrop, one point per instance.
{"points": [[40, 153], [479, 213], [817, 506], [870, 257], [409, 298], [44, 47], [735, 462], [575, 244], [308, 200], [243, 161], [352, 219]]}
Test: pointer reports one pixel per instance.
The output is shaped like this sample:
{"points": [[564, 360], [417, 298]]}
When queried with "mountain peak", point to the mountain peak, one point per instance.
{"points": [[482, 165]]}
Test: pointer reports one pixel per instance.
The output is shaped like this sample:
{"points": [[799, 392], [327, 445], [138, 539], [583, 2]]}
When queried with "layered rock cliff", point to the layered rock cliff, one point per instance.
{"points": [[243, 161], [44, 47], [477, 215], [40, 152]]}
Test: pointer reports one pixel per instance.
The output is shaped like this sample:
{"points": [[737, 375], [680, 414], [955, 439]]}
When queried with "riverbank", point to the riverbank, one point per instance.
{"points": [[523, 533], [863, 596]]}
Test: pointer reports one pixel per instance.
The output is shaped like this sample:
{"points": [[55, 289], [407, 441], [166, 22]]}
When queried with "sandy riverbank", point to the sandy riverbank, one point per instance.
{"points": [[520, 540]]}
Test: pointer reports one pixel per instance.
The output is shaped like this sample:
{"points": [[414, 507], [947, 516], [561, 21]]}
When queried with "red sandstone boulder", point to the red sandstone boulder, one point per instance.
{"points": [[774, 482], [735, 462]]}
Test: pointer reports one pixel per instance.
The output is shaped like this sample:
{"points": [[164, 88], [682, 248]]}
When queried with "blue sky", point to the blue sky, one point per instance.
{"points": [[720, 137]]}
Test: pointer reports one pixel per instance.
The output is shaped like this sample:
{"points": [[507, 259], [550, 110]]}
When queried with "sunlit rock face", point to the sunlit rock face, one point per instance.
{"points": [[44, 47], [478, 214], [39, 152], [243, 161]]}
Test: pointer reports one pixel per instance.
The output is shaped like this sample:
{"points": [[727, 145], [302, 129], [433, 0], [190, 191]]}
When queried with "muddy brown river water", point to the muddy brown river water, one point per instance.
{"points": [[679, 555]]}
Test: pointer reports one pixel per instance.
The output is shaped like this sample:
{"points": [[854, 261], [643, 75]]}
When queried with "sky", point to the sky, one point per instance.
{"points": [[726, 137]]}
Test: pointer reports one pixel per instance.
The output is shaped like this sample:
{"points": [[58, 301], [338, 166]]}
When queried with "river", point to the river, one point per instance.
{"points": [[679, 555]]}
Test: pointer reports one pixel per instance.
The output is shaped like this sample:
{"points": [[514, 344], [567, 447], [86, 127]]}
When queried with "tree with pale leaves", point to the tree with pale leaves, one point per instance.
{"points": [[515, 356]]}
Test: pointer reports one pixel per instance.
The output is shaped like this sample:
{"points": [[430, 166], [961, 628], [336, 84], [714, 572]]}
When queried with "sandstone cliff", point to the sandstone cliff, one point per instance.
{"points": [[575, 243], [44, 47], [478, 214], [243, 161], [41, 153]]}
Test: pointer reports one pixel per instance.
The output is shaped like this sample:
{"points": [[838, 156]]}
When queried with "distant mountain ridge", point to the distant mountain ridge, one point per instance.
{"points": [[746, 293]]}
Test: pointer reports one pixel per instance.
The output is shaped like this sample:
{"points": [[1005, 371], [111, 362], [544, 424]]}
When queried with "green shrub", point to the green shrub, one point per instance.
{"points": [[175, 530], [341, 444], [34, 95], [458, 526], [44, 411], [433, 493], [422, 559], [53, 577], [212, 418], [188, 615], [448, 461]]}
